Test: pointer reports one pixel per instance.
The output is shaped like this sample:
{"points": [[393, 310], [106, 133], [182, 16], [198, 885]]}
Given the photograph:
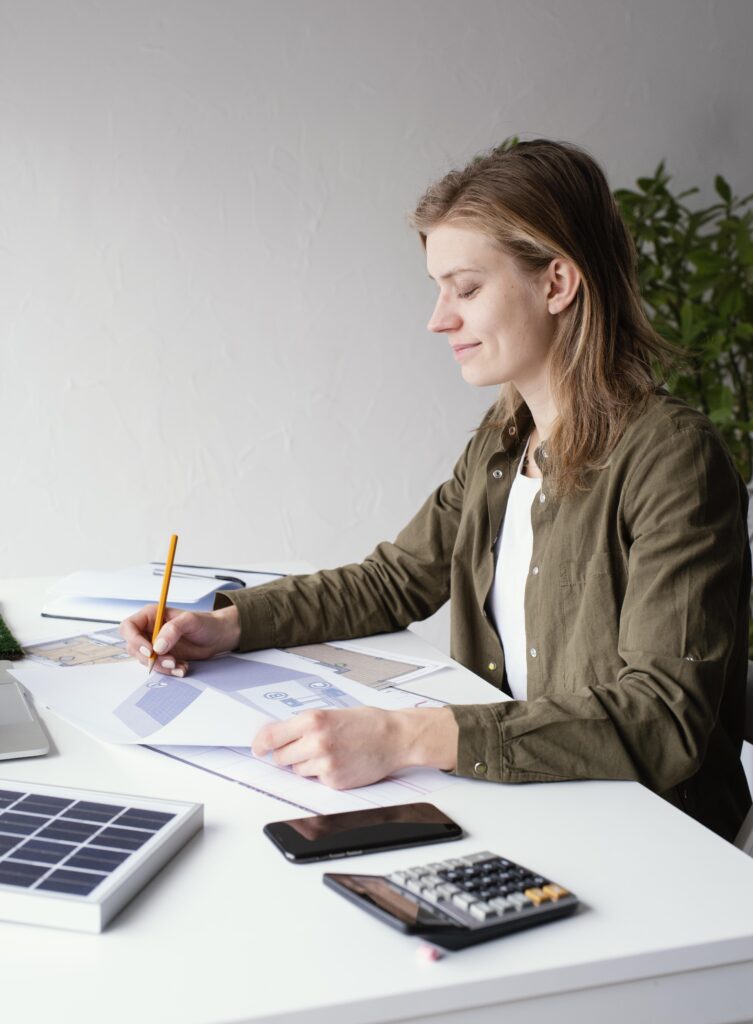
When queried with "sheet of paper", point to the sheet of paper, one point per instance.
{"points": [[238, 764], [112, 596], [367, 665], [209, 718], [135, 584], [224, 701]]}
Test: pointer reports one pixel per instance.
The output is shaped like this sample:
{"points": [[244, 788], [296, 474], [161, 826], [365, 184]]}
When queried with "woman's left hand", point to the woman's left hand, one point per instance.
{"points": [[351, 747]]}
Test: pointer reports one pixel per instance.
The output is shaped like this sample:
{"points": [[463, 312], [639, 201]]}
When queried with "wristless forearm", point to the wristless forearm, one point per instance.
{"points": [[230, 627], [431, 738]]}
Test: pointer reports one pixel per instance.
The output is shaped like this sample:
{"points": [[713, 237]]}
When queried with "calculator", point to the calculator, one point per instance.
{"points": [[460, 901]]}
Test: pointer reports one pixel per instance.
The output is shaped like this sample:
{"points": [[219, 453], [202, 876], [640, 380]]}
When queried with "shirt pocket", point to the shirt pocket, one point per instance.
{"points": [[590, 595]]}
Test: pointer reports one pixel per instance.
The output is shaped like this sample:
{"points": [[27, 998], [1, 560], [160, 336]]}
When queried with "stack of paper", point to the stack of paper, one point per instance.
{"points": [[210, 717], [113, 596]]}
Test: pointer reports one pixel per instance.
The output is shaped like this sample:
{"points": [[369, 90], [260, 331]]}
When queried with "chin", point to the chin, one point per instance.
{"points": [[481, 378]]}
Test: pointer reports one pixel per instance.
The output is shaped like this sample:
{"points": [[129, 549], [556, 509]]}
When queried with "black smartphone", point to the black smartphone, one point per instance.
{"points": [[326, 836]]}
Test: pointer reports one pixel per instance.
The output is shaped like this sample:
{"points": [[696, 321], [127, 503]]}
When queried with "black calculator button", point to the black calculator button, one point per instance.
{"points": [[459, 902]]}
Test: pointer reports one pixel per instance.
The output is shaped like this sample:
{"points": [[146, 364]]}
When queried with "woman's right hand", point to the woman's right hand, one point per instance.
{"points": [[185, 636]]}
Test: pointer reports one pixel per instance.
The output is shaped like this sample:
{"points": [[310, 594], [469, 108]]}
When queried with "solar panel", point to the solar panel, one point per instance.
{"points": [[72, 858]]}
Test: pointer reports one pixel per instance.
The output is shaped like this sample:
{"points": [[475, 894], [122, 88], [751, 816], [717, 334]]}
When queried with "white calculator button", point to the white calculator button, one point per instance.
{"points": [[482, 911], [463, 900]]}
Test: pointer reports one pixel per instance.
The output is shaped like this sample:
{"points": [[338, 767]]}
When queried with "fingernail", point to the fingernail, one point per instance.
{"points": [[168, 663], [160, 645], [180, 672], [145, 651]]}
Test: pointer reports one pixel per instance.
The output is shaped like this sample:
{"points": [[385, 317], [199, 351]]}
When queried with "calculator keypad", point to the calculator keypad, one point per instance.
{"points": [[480, 889]]}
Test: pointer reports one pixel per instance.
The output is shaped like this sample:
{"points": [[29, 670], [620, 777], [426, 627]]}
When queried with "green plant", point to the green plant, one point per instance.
{"points": [[695, 270]]}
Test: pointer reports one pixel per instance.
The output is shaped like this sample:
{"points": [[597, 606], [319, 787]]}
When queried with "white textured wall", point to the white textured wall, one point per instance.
{"points": [[212, 312]]}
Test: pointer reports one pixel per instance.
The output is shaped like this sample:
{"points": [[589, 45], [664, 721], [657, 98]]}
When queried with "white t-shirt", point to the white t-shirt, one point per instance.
{"points": [[513, 560]]}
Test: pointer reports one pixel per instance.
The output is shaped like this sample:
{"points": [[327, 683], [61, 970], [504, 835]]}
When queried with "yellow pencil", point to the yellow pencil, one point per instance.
{"points": [[163, 597]]}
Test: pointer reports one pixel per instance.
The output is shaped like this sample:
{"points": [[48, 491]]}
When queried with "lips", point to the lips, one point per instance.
{"points": [[464, 351]]}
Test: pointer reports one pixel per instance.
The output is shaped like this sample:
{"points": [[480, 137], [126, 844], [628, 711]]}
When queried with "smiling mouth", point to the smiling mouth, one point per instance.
{"points": [[460, 350]]}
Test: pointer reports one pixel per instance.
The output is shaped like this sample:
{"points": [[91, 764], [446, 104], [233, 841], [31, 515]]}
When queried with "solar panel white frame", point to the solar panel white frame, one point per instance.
{"points": [[92, 912]]}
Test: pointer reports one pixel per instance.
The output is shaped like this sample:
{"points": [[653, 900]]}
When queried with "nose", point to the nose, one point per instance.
{"points": [[444, 318]]}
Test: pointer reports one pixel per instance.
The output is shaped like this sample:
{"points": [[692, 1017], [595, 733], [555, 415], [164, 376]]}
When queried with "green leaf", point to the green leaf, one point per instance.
{"points": [[723, 188], [707, 262], [695, 268], [686, 321], [715, 345], [731, 303], [721, 411], [744, 243]]}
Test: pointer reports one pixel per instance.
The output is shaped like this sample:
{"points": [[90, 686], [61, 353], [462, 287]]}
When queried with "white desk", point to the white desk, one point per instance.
{"points": [[231, 932]]}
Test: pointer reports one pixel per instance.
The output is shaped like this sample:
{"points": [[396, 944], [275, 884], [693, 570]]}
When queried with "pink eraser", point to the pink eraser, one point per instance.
{"points": [[428, 954]]}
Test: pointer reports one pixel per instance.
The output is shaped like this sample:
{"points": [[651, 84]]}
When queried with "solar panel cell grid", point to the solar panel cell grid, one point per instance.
{"points": [[65, 845], [84, 810], [69, 859], [73, 882], [41, 852]]}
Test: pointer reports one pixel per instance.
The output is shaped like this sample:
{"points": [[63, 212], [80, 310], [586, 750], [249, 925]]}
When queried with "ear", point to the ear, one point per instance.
{"points": [[562, 283]]}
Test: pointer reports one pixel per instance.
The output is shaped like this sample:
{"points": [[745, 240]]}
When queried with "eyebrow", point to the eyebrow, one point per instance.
{"points": [[457, 270]]}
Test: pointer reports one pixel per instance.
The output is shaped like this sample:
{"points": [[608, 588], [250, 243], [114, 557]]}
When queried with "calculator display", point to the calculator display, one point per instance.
{"points": [[458, 901], [383, 896]]}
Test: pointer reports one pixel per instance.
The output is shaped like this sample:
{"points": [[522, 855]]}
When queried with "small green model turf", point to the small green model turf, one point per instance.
{"points": [[10, 648]]}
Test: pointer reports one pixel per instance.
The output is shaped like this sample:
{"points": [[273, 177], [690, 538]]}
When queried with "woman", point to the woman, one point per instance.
{"points": [[592, 535]]}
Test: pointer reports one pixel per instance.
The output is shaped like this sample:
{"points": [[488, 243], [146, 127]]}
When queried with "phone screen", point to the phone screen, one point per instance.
{"points": [[326, 836]]}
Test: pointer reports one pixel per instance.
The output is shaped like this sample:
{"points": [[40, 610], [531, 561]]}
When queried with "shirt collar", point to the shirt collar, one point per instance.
{"points": [[515, 432]]}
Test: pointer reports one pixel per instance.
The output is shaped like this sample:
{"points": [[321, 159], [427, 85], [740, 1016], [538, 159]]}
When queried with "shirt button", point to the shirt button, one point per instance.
{"points": [[512, 431], [542, 497], [480, 768], [533, 652], [535, 570], [689, 657], [492, 665], [497, 473]]}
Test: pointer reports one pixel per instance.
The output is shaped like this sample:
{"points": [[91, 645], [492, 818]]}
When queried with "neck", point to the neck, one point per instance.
{"points": [[541, 405]]}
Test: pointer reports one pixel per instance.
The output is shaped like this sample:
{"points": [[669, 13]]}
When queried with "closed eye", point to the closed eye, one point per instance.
{"points": [[467, 295]]}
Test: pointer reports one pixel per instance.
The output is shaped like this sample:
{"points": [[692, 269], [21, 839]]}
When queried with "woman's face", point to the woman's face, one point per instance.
{"points": [[496, 318]]}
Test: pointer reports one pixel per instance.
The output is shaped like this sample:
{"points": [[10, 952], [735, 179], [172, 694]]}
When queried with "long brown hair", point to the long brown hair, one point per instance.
{"points": [[543, 200]]}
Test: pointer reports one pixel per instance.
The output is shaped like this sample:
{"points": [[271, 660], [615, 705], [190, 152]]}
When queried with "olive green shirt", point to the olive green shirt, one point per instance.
{"points": [[636, 611]]}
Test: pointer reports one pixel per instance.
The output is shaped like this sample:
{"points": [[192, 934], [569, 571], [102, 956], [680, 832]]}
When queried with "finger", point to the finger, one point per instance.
{"points": [[295, 753], [277, 734], [179, 622], [319, 769], [309, 769], [136, 630], [171, 666]]}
